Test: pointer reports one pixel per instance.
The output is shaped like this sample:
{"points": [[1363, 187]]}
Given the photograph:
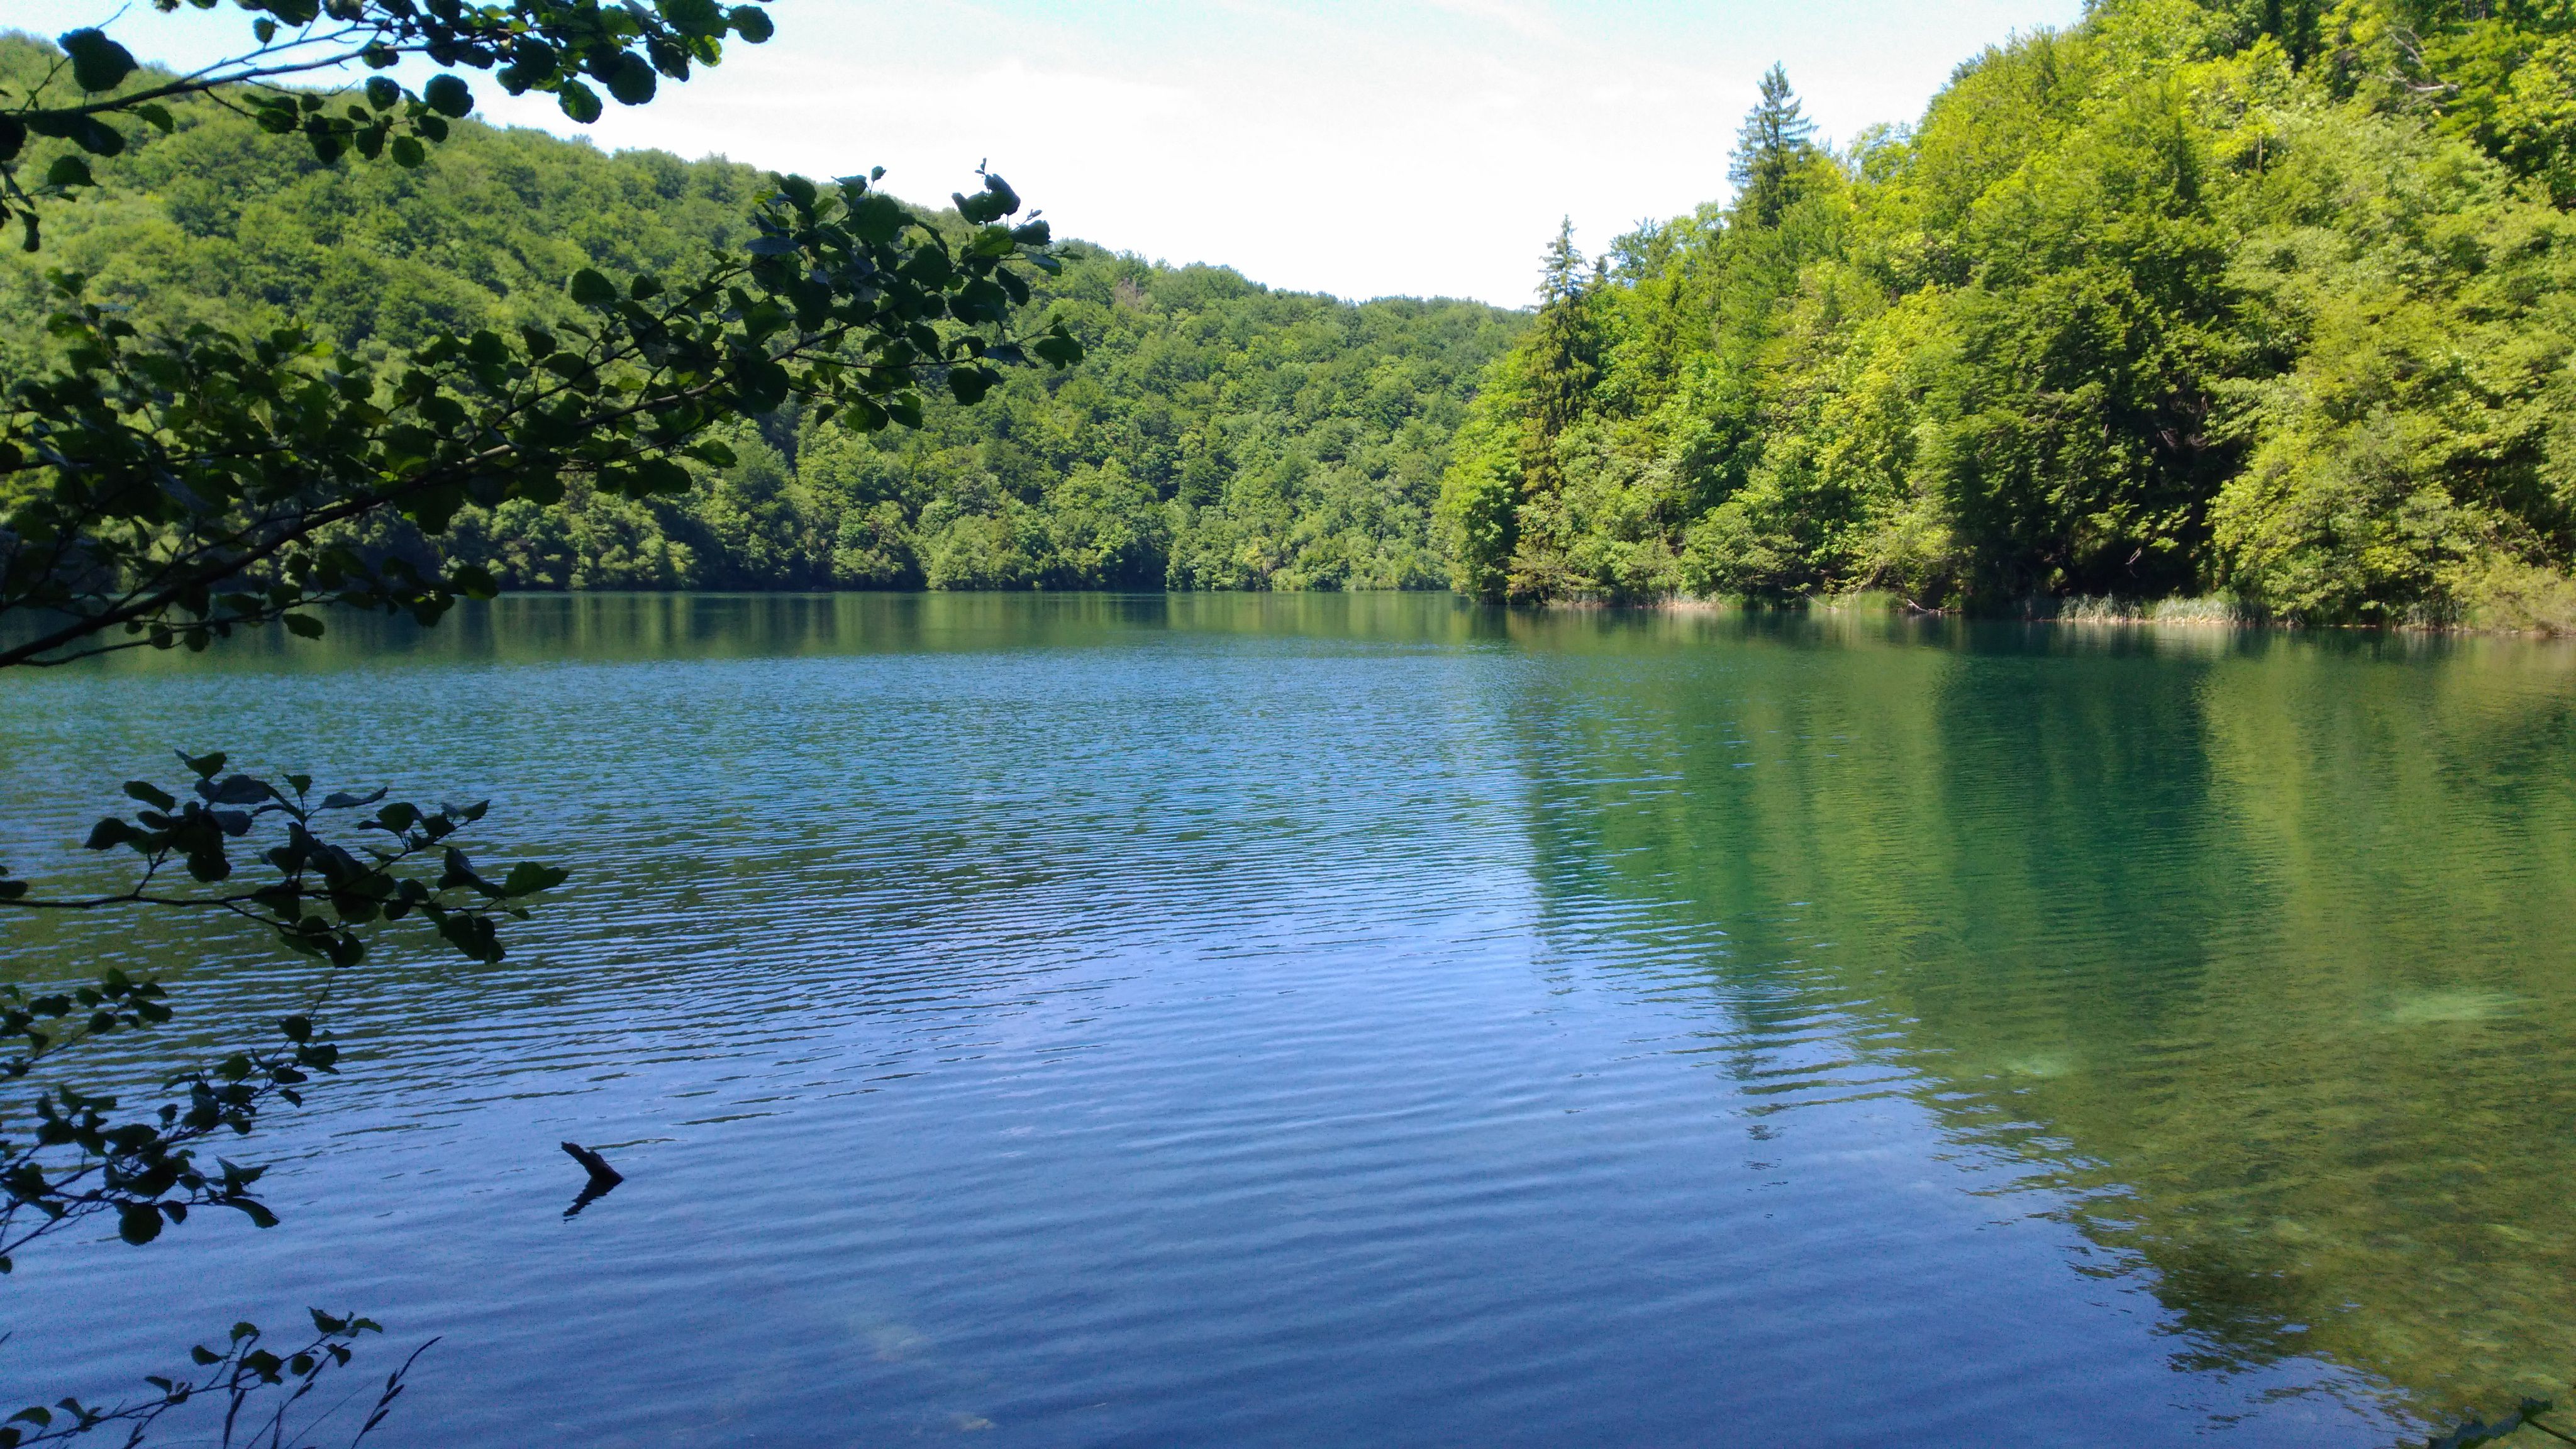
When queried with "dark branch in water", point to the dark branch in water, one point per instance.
{"points": [[603, 1178]]}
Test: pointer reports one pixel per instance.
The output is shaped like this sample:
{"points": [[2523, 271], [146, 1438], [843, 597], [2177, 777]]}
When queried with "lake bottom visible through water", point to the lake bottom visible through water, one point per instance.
{"points": [[1245, 1020]]}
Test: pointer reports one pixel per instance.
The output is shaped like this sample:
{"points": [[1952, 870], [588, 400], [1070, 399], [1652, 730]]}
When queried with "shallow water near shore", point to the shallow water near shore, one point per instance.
{"points": [[1276, 1020]]}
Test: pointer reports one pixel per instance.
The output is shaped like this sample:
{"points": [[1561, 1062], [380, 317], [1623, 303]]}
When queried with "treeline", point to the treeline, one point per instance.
{"points": [[1221, 435], [2260, 299]]}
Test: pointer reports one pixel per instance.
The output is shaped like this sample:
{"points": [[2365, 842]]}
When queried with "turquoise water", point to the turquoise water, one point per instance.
{"points": [[1244, 1020]]}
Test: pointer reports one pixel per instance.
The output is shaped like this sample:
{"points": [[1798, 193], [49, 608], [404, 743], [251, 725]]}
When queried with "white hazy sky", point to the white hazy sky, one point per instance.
{"points": [[1409, 147]]}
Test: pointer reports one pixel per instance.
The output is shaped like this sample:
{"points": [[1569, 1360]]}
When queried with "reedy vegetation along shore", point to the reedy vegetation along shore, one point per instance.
{"points": [[2267, 301]]}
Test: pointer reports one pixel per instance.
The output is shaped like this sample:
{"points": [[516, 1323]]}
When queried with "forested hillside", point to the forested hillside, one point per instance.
{"points": [[2259, 300], [1221, 435], [2262, 299]]}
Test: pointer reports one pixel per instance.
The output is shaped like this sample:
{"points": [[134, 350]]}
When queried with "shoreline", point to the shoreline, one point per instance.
{"points": [[2083, 614]]}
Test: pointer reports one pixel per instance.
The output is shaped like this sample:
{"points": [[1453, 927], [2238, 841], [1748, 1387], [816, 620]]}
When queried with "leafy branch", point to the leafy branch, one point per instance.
{"points": [[186, 487], [235, 1376], [551, 47], [80, 1159]]}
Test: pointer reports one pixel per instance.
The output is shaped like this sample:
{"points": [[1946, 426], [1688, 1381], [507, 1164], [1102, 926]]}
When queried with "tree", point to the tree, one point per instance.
{"points": [[2294, 24], [166, 490], [1563, 364], [1776, 144], [1565, 346]]}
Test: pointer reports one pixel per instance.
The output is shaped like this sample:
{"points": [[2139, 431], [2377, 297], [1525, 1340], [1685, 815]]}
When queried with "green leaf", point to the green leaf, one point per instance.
{"points": [[383, 93], [1058, 348], [156, 116], [98, 63], [633, 82], [660, 477], [702, 19], [751, 23], [407, 152], [68, 172], [239, 790], [995, 201], [528, 878], [878, 218], [590, 289], [150, 794], [96, 137], [447, 95], [579, 102], [302, 626], [138, 1223]]}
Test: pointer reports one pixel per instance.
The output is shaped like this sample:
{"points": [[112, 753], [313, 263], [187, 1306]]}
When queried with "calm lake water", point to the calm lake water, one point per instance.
{"points": [[1237, 1020]]}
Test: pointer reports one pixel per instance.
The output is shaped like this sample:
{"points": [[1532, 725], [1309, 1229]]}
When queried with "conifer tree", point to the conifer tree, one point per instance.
{"points": [[1565, 348], [1564, 367], [1775, 145]]}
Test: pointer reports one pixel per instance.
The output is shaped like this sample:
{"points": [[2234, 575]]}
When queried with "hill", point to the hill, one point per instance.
{"points": [[2264, 301], [1222, 435]]}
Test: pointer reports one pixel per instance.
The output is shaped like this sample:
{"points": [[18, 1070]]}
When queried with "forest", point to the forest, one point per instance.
{"points": [[1221, 436], [2246, 308], [2236, 308]]}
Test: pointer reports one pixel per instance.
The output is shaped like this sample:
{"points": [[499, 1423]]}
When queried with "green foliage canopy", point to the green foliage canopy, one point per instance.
{"points": [[2265, 300], [1223, 436]]}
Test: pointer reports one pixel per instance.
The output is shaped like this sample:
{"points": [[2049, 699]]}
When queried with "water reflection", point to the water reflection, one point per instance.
{"points": [[1259, 1020], [2254, 944], [550, 629]]}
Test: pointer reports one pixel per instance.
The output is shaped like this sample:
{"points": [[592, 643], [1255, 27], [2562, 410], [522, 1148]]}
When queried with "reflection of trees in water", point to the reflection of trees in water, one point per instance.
{"points": [[605, 627], [2253, 945]]}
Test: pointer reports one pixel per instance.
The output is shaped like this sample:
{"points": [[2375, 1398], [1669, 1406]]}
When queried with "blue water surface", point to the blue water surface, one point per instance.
{"points": [[1244, 1021]]}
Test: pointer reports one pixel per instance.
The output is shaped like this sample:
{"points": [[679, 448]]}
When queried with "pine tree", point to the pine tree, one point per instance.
{"points": [[1565, 347], [1774, 147], [1564, 366]]}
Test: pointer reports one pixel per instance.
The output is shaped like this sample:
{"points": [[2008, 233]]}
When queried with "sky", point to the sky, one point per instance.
{"points": [[1403, 147]]}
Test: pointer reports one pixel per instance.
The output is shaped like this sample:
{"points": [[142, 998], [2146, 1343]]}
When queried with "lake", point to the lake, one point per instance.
{"points": [[1244, 1020]]}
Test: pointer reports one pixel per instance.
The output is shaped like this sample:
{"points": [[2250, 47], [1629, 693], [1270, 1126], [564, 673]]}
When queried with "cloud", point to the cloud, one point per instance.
{"points": [[1407, 146], [1527, 21]]}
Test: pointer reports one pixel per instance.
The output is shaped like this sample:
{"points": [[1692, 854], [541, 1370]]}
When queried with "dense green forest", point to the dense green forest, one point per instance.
{"points": [[2260, 300], [1221, 436], [2260, 303]]}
